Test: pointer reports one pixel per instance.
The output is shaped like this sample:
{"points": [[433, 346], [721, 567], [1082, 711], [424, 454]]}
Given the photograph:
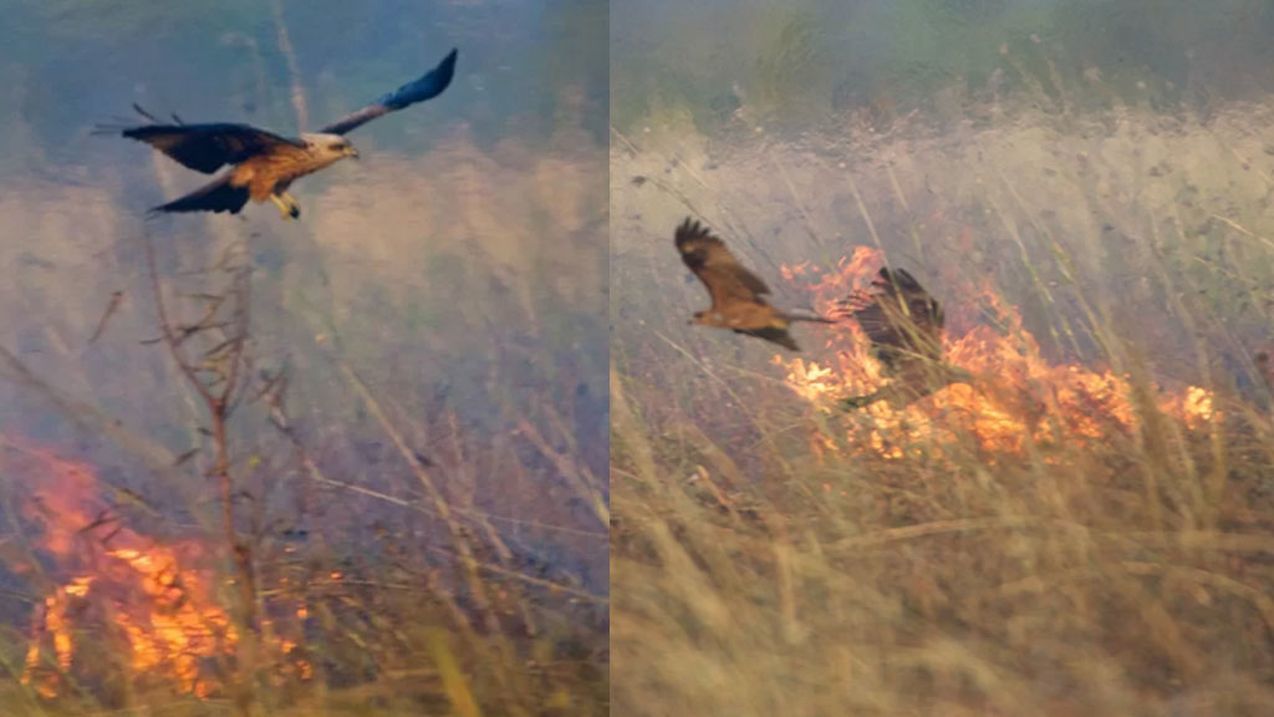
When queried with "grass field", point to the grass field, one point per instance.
{"points": [[421, 516], [1093, 539]]}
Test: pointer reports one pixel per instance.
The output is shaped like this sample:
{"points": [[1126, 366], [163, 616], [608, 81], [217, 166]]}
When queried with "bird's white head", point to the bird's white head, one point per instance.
{"points": [[330, 146]]}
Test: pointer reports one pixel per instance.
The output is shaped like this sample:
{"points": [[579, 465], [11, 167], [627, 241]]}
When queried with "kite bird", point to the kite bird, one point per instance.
{"points": [[264, 164], [736, 293], [904, 325]]}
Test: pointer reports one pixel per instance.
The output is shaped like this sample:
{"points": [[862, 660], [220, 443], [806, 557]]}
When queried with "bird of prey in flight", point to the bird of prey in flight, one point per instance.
{"points": [[736, 293], [904, 325], [264, 164]]}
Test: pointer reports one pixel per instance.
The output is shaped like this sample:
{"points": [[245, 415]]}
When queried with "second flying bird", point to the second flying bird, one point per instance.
{"points": [[738, 303]]}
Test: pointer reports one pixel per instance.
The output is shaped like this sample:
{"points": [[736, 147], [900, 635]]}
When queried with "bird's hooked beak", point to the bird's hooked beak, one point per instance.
{"points": [[351, 152]]}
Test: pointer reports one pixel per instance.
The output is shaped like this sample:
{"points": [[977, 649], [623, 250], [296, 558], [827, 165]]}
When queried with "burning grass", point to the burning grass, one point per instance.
{"points": [[420, 516], [1018, 399], [1082, 530]]}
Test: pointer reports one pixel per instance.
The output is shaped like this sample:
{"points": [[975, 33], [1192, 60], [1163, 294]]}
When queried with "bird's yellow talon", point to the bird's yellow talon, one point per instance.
{"points": [[288, 207]]}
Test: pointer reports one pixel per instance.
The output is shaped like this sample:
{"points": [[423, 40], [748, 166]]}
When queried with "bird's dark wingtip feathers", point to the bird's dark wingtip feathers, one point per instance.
{"points": [[165, 209], [905, 277], [691, 230], [901, 277], [139, 110], [428, 86], [220, 196]]}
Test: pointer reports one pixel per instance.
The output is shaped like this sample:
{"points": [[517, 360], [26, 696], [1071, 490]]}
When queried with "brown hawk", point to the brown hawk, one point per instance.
{"points": [[736, 292], [264, 164], [904, 325]]}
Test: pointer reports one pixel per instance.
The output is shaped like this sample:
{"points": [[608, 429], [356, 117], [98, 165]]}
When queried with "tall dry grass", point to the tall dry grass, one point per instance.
{"points": [[1124, 575], [440, 322]]}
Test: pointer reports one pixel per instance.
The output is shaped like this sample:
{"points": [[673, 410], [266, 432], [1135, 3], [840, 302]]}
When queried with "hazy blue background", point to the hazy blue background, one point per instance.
{"points": [[65, 64], [459, 267], [799, 61]]}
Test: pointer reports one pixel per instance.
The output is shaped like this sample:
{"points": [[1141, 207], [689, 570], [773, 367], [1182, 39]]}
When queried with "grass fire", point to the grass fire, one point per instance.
{"points": [[220, 497], [153, 603], [1016, 397], [1079, 525]]}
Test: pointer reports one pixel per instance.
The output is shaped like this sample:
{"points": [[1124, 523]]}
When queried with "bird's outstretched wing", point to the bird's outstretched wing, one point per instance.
{"points": [[206, 147], [902, 321], [707, 256], [217, 196], [426, 87]]}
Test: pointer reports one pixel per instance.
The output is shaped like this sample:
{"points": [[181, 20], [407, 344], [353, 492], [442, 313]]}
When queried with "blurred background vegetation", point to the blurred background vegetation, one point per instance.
{"points": [[444, 297], [804, 63]]}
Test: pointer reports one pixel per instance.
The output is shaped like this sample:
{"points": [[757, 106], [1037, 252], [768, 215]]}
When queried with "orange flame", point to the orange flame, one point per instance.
{"points": [[162, 611], [1019, 399], [160, 608]]}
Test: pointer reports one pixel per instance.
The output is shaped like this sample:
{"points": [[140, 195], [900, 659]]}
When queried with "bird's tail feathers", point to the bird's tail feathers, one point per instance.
{"points": [[810, 318], [778, 336], [217, 196]]}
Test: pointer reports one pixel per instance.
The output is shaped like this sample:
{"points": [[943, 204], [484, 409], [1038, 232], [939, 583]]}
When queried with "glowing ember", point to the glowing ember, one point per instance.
{"points": [[1019, 398], [1195, 407]]}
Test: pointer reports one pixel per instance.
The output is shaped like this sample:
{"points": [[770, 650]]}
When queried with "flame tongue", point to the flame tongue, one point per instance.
{"points": [[144, 594], [1007, 407]]}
